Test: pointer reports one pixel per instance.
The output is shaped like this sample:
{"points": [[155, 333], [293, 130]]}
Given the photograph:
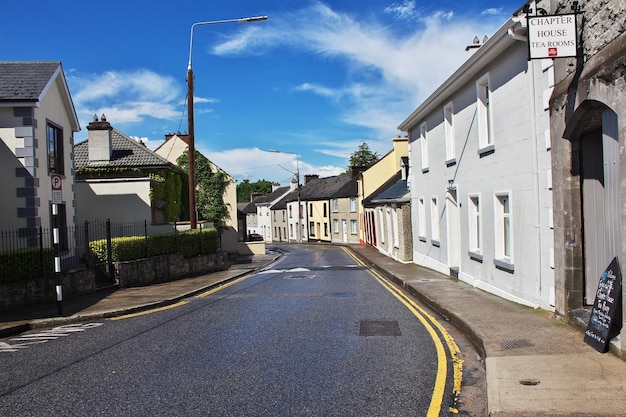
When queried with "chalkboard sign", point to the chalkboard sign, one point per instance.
{"points": [[606, 316]]}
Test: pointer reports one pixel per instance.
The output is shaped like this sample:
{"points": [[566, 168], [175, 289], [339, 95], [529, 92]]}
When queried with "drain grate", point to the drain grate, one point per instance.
{"points": [[300, 277], [515, 344], [379, 328]]}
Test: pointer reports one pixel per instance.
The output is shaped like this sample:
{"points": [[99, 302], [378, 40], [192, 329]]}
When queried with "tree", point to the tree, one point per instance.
{"points": [[246, 188], [363, 156], [211, 187]]}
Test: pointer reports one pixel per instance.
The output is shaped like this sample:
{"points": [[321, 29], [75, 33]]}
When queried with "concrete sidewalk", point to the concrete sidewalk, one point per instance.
{"points": [[536, 364]]}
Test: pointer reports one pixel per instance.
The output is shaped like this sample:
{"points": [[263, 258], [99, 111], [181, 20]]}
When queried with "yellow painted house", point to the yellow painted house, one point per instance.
{"points": [[371, 180]]}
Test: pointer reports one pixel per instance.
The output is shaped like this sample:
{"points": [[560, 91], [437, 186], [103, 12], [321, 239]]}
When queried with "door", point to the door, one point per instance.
{"points": [[454, 232], [344, 229]]}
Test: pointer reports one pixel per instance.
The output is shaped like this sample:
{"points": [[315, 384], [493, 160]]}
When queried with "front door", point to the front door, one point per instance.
{"points": [[344, 229]]}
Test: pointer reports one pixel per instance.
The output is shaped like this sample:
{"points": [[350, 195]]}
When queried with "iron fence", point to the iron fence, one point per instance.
{"points": [[28, 252]]}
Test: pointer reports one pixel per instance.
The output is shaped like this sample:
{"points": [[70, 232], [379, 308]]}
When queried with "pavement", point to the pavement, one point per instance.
{"points": [[536, 364]]}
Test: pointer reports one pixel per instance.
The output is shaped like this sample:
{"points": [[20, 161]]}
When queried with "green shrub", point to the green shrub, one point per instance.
{"points": [[25, 263]]}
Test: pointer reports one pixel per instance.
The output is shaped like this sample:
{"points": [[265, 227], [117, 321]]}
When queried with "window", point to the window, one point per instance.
{"points": [[324, 211], [290, 211], [290, 230], [311, 209], [475, 236], [325, 229], [312, 229], [424, 147], [335, 226], [353, 204], [381, 222], [504, 232], [484, 109], [55, 149], [353, 227], [434, 221], [335, 203], [448, 129], [421, 224]]}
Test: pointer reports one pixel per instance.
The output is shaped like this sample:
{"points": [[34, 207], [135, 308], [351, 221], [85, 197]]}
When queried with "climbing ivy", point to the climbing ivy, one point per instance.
{"points": [[211, 187]]}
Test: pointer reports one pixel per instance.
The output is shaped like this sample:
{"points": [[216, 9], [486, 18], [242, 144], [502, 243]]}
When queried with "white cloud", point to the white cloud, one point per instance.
{"points": [[126, 97], [403, 66], [403, 11]]}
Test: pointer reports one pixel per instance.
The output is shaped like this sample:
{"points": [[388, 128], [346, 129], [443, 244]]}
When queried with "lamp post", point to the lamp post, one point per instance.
{"points": [[191, 148], [299, 226]]}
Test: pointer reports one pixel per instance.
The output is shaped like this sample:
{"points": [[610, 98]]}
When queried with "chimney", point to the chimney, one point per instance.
{"points": [[293, 185], [470, 49], [99, 139], [310, 177], [275, 186], [355, 171]]}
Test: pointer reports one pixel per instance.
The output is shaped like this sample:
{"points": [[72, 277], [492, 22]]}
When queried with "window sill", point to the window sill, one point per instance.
{"points": [[487, 150], [504, 265], [422, 239], [435, 243], [451, 162], [475, 256], [425, 170]]}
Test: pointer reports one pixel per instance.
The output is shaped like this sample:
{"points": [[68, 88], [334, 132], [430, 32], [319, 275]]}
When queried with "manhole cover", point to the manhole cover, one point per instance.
{"points": [[514, 344], [379, 328], [341, 294]]}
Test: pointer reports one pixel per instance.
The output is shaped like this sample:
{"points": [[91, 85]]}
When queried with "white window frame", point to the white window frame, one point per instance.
{"points": [[424, 146], [381, 225], [503, 227], [475, 234], [335, 203], [352, 204], [335, 225], [448, 130], [421, 223], [354, 229], [434, 221], [484, 104]]}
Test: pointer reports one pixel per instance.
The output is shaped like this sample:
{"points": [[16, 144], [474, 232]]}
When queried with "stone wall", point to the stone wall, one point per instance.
{"points": [[39, 290], [166, 268]]}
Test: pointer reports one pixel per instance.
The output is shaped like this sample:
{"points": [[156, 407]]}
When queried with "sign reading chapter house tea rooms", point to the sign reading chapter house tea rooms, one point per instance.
{"points": [[552, 36]]}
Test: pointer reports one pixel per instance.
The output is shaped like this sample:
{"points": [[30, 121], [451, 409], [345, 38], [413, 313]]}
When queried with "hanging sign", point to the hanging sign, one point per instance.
{"points": [[605, 320], [552, 36]]}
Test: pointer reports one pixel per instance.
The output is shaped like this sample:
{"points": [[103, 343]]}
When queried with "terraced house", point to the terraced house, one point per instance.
{"points": [[37, 126]]}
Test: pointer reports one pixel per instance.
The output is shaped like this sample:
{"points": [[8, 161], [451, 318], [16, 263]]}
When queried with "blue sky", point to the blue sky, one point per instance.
{"points": [[316, 78]]}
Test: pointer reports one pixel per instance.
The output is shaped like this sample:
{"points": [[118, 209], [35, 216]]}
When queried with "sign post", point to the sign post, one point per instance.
{"points": [[57, 198]]}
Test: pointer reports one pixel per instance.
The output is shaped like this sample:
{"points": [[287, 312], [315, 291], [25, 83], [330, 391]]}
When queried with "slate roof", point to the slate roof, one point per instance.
{"points": [[323, 188], [126, 153], [25, 81], [350, 189], [394, 190], [282, 203], [271, 197]]}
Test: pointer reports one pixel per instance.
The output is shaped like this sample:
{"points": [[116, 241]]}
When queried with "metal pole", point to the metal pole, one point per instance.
{"points": [[56, 240], [191, 149]]}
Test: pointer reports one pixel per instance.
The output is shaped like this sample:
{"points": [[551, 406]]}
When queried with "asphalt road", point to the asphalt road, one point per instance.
{"points": [[314, 334]]}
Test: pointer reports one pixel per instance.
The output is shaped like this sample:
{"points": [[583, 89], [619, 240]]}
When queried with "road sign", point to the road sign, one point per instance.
{"points": [[57, 182]]}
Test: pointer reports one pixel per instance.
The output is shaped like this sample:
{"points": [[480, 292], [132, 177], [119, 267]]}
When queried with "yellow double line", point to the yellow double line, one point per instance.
{"points": [[430, 323]]}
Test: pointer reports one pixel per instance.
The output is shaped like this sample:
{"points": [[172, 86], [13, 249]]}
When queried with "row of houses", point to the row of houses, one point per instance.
{"points": [[510, 179], [108, 176]]}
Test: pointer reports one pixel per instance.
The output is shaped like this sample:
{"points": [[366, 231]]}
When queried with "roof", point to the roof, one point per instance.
{"points": [[323, 188], [282, 203], [25, 81], [350, 189], [395, 190], [126, 153], [273, 196]]}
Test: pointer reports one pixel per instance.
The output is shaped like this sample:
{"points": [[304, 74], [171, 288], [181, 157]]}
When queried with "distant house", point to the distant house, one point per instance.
{"points": [[281, 215], [37, 126], [344, 213], [391, 205], [371, 180], [121, 179], [316, 195], [264, 205], [176, 145]]}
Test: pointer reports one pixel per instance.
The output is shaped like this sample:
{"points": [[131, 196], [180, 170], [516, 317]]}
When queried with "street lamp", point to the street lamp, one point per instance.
{"points": [[191, 149], [299, 226]]}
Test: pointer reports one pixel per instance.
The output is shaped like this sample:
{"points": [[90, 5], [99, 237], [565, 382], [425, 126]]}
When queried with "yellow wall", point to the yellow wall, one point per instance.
{"points": [[321, 222]]}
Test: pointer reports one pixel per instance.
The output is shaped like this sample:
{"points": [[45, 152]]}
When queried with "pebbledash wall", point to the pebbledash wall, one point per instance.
{"points": [[588, 132]]}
